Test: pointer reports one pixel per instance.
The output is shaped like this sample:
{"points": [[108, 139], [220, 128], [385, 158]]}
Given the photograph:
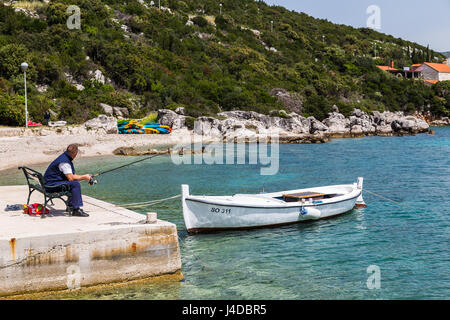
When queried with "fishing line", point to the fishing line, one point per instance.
{"points": [[93, 181]]}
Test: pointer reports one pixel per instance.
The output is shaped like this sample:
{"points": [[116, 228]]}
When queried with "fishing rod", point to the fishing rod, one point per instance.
{"points": [[94, 181]]}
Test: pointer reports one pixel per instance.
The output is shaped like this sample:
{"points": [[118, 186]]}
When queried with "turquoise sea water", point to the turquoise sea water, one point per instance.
{"points": [[316, 260]]}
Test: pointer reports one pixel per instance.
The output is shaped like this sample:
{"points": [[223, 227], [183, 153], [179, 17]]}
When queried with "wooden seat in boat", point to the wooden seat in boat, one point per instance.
{"points": [[296, 197]]}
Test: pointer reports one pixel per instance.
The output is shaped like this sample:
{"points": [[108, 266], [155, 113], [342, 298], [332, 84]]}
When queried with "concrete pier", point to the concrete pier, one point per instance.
{"points": [[60, 252]]}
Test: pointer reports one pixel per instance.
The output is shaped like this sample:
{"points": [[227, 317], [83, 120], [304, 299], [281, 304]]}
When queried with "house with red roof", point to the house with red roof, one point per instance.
{"points": [[406, 72], [434, 71], [388, 68]]}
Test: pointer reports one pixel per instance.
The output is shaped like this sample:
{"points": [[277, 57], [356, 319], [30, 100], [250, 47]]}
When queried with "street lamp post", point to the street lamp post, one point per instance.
{"points": [[220, 8], [24, 67], [271, 26]]}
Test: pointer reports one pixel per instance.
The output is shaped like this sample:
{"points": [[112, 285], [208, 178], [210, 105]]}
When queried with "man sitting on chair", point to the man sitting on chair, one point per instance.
{"points": [[62, 172]]}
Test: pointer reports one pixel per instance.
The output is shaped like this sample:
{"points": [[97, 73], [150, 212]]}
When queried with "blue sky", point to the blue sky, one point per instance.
{"points": [[424, 22]]}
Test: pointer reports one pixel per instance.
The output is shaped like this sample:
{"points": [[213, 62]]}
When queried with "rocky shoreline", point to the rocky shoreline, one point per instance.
{"points": [[98, 136], [293, 128]]}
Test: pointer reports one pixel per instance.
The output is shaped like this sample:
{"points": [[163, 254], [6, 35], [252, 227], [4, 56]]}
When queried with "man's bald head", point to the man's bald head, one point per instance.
{"points": [[72, 150]]}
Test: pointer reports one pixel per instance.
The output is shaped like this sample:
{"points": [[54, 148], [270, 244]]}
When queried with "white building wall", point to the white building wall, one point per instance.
{"points": [[444, 76]]}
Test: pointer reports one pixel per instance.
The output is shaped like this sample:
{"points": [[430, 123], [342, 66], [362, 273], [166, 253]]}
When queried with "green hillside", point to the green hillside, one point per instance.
{"points": [[192, 56]]}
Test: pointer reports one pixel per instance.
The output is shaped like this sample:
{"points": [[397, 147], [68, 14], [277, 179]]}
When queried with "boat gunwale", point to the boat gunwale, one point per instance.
{"points": [[293, 204]]}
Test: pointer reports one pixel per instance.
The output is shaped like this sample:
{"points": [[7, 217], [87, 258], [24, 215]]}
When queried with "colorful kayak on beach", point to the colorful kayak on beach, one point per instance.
{"points": [[130, 126]]}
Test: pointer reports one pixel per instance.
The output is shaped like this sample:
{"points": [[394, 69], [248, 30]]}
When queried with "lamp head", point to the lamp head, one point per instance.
{"points": [[24, 66]]}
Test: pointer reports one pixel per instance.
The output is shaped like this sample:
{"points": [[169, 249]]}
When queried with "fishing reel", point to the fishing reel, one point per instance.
{"points": [[92, 181]]}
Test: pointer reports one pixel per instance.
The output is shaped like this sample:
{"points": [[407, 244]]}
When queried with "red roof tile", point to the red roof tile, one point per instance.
{"points": [[387, 68], [439, 67]]}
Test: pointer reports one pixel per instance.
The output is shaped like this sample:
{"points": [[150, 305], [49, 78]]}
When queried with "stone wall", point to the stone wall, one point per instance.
{"points": [[429, 73]]}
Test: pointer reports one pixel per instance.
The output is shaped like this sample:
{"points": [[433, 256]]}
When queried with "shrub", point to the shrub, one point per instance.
{"points": [[317, 106], [152, 117], [200, 21], [11, 56], [12, 110], [222, 23], [37, 106], [190, 121]]}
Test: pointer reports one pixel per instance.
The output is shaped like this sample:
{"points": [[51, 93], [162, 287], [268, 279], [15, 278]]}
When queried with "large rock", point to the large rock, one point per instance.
{"points": [[316, 125], [260, 123], [357, 113], [169, 118], [246, 115], [180, 111], [385, 130], [378, 118], [207, 126], [107, 109], [291, 101], [413, 124], [337, 124], [102, 122], [445, 121], [357, 130], [294, 124], [387, 122], [408, 124], [396, 126], [98, 76], [121, 112]]}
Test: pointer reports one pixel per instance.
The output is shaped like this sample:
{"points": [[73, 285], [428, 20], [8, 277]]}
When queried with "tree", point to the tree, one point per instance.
{"points": [[12, 109], [11, 56]]}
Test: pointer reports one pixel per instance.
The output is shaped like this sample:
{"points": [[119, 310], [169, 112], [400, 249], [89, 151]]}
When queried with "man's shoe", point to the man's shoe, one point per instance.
{"points": [[79, 213]]}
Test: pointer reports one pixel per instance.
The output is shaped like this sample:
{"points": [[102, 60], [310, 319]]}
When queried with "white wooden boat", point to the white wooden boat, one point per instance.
{"points": [[246, 211]]}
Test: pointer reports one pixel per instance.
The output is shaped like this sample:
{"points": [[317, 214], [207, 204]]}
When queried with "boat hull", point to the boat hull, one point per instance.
{"points": [[205, 215]]}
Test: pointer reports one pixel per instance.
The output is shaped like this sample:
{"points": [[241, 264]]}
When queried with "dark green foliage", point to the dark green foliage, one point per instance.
{"points": [[12, 109], [223, 23], [154, 60], [37, 104], [11, 56], [317, 106], [200, 21]]}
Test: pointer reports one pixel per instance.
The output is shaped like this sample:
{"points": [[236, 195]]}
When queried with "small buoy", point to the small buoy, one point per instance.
{"points": [[312, 213]]}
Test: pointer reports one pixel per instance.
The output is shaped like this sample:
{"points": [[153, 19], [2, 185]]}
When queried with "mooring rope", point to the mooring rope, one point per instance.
{"points": [[148, 203], [385, 198]]}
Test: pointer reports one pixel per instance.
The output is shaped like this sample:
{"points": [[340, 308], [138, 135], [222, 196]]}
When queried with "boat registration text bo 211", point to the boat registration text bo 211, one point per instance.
{"points": [[219, 210]]}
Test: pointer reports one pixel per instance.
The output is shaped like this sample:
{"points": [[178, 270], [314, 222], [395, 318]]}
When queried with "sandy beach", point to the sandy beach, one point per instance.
{"points": [[30, 148]]}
